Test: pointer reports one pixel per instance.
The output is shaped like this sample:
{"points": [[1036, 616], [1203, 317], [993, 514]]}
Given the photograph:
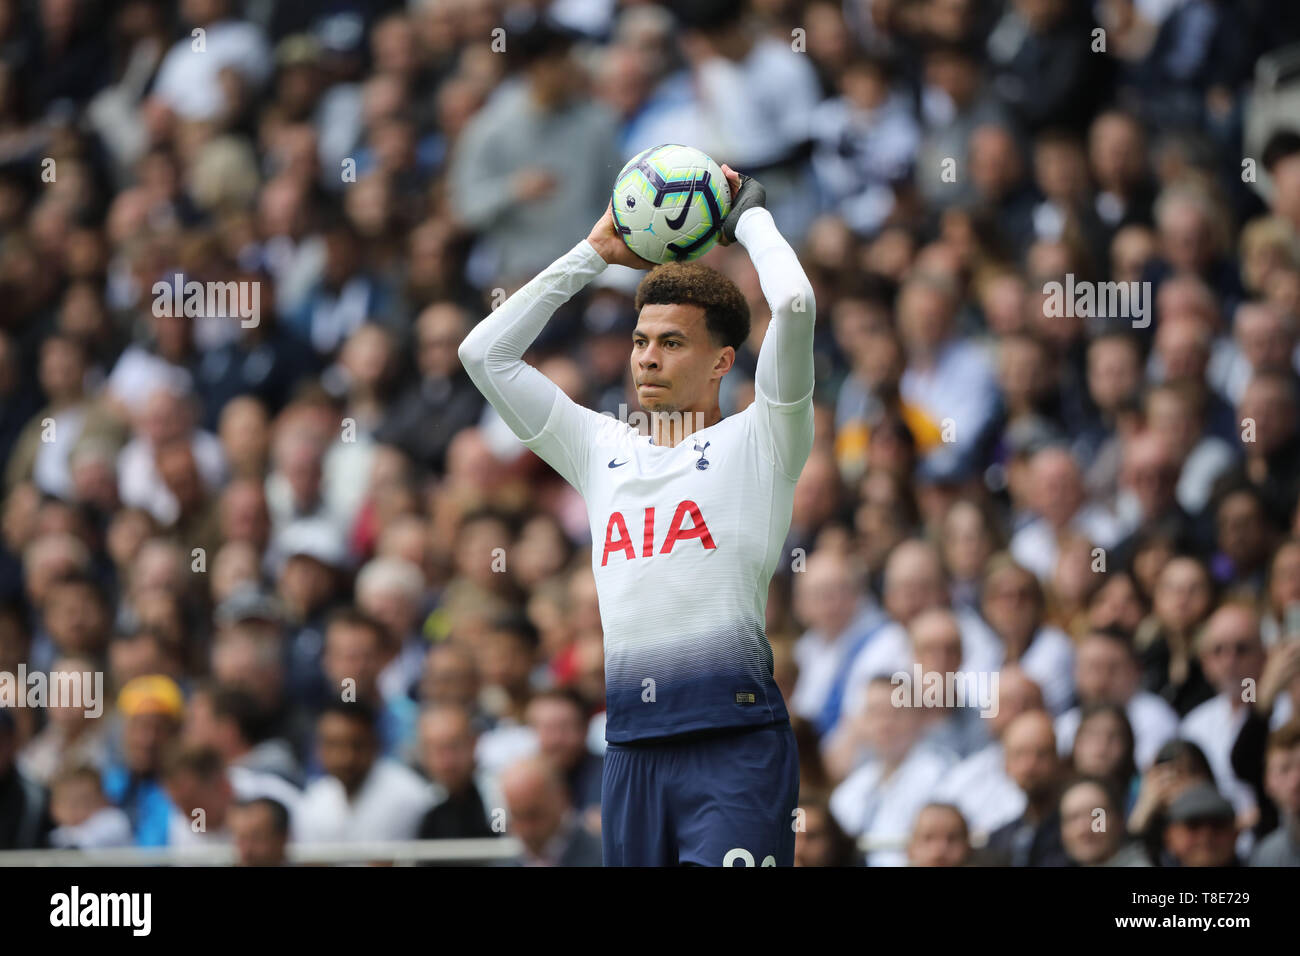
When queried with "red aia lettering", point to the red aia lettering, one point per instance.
{"points": [[624, 542], [698, 528], [619, 540]]}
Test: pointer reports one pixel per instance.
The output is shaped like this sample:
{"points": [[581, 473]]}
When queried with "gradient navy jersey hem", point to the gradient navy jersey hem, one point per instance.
{"points": [[701, 704]]}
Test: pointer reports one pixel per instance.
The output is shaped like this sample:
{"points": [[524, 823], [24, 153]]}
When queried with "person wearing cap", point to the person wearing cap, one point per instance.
{"points": [[1202, 829], [308, 586], [151, 709]]}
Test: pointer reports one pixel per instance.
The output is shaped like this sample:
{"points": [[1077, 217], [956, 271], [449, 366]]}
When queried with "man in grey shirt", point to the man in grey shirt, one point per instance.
{"points": [[536, 165]]}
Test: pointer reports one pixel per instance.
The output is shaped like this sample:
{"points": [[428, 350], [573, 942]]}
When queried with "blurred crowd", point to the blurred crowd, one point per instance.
{"points": [[334, 600]]}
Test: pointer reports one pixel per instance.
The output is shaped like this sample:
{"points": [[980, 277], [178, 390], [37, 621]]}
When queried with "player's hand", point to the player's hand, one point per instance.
{"points": [[746, 193], [605, 240]]}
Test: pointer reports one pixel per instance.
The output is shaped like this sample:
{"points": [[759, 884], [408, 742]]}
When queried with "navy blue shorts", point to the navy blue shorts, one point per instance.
{"points": [[724, 799]]}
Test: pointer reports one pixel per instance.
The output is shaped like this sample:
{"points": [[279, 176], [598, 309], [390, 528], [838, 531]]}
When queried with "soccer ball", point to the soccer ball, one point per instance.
{"points": [[669, 203]]}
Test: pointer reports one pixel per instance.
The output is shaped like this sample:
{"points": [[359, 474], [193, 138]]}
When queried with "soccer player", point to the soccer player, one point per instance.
{"points": [[687, 525]]}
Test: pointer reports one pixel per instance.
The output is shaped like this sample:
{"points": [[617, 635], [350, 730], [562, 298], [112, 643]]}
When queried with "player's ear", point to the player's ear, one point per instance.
{"points": [[726, 359]]}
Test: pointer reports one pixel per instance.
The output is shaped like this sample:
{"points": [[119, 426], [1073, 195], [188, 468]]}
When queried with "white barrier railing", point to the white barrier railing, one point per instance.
{"points": [[400, 852]]}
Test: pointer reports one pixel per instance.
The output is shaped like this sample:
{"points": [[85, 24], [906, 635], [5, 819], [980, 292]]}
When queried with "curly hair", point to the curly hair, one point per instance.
{"points": [[726, 313]]}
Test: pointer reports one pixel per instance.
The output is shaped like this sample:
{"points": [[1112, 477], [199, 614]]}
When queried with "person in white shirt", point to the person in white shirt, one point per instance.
{"points": [[1057, 490], [1175, 412], [979, 786], [1106, 669], [948, 379], [1231, 655], [189, 79], [166, 415], [689, 523], [914, 581], [1014, 605], [880, 800], [827, 601], [203, 789], [84, 817], [363, 796]]}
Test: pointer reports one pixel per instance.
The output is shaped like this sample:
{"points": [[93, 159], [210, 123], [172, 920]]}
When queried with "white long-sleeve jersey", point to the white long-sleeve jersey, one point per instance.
{"points": [[684, 539]]}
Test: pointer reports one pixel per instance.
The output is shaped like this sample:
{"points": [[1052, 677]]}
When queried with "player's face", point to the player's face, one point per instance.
{"points": [[675, 362]]}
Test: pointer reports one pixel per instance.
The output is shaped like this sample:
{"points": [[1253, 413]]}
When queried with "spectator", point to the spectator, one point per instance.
{"points": [[559, 719], [151, 708], [820, 841], [939, 837], [356, 648], [1179, 766], [1033, 839], [72, 737], [362, 796], [979, 786], [26, 820], [462, 811], [444, 397], [1106, 672], [1282, 778], [839, 623], [508, 184], [882, 796], [542, 818], [1103, 750], [1201, 831], [230, 720], [1014, 606], [260, 831], [1232, 658], [203, 790], [1182, 599], [1087, 806], [84, 818]]}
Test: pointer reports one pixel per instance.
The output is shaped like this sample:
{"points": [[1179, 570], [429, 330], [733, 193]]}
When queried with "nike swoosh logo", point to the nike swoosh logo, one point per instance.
{"points": [[686, 207], [615, 463]]}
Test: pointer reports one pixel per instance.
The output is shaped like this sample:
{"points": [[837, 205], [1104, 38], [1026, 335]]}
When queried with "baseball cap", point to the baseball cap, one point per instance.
{"points": [[314, 538], [249, 603], [151, 694], [1030, 435], [1201, 802]]}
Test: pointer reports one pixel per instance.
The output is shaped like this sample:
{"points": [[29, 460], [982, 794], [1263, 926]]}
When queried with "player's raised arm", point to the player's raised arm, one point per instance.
{"points": [[492, 353], [783, 383]]}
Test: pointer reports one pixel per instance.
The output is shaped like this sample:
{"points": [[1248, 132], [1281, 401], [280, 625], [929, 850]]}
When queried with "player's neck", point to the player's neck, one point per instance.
{"points": [[669, 429]]}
